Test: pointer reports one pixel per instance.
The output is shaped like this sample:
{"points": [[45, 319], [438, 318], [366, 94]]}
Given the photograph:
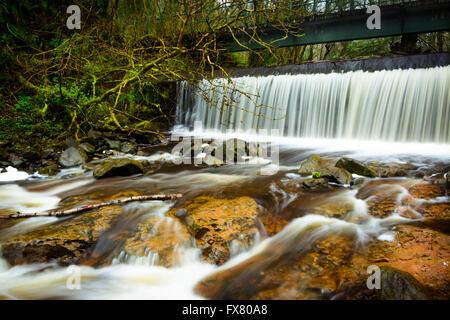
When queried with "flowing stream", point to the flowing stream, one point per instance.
{"points": [[399, 115]]}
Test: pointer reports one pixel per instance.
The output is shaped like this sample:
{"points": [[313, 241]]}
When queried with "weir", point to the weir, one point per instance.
{"points": [[401, 105]]}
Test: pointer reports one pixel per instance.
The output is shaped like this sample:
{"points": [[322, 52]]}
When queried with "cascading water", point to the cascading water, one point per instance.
{"points": [[410, 105]]}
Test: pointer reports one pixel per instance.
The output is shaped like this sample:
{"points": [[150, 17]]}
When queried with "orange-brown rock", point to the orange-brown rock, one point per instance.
{"points": [[426, 191], [422, 252], [215, 223], [330, 266], [63, 242], [334, 267], [164, 237]]}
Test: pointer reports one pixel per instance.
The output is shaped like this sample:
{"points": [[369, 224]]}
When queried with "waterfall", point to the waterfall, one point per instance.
{"points": [[410, 105]]}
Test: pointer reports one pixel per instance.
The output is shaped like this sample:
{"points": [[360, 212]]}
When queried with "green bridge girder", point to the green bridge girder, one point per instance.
{"points": [[396, 19]]}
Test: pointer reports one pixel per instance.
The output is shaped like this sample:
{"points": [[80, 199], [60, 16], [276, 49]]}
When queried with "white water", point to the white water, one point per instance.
{"points": [[143, 278], [399, 105]]}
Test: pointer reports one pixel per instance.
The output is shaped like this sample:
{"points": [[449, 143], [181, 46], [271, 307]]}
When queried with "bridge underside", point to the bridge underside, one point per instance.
{"points": [[417, 17]]}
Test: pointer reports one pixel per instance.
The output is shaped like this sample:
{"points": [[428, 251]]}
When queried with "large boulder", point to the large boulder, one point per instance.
{"points": [[314, 163], [73, 156], [217, 223], [337, 175], [355, 166], [117, 167]]}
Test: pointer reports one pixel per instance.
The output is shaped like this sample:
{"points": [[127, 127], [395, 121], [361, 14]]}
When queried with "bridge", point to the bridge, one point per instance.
{"points": [[325, 21]]}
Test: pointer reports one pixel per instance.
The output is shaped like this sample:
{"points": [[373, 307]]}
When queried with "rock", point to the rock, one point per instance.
{"points": [[337, 175], [158, 239], [216, 223], [358, 181], [113, 144], [316, 184], [127, 147], [355, 166], [119, 167], [73, 156], [87, 147], [447, 184], [64, 242], [420, 251], [426, 191], [390, 170], [320, 270], [210, 161], [31, 156], [15, 160], [313, 163], [93, 134], [399, 285], [50, 170]]}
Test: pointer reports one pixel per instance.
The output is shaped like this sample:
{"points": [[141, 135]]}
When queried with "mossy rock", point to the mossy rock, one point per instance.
{"points": [[50, 170], [355, 166], [399, 285], [314, 163]]}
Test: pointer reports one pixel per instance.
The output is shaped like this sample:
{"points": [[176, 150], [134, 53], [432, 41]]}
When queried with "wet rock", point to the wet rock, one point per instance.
{"points": [[337, 175], [399, 285], [128, 147], [159, 240], [63, 242], [210, 161], [320, 270], [313, 163], [87, 147], [422, 252], [73, 156], [355, 166], [50, 170], [117, 167], [333, 208], [215, 223], [426, 191], [314, 184], [390, 170], [358, 181]]}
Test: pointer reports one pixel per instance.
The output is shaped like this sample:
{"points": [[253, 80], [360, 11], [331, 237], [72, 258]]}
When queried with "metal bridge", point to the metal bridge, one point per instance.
{"points": [[341, 20]]}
